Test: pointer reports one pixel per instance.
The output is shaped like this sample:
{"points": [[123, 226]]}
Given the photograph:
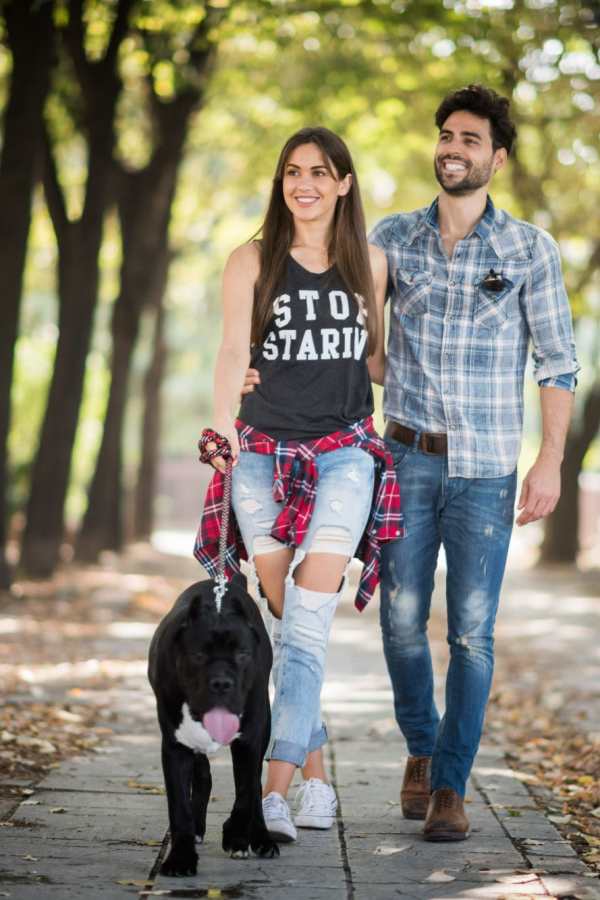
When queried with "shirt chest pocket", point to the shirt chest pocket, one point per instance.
{"points": [[495, 308], [413, 288]]}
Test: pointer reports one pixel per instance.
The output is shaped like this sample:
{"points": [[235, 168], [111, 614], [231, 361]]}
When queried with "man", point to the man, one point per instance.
{"points": [[470, 286]]}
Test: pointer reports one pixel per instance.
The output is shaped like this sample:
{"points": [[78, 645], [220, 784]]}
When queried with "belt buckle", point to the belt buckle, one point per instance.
{"points": [[429, 444]]}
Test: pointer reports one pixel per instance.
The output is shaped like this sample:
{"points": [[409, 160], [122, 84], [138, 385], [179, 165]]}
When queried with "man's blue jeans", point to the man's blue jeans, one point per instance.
{"points": [[472, 518]]}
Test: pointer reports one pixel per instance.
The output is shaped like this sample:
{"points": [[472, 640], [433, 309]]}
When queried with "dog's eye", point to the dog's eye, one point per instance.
{"points": [[200, 657], [242, 657]]}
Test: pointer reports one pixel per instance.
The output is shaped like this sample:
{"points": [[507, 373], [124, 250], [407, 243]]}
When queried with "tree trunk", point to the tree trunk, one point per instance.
{"points": [[145, 201], [78, 250], [561, 529], [145, 489], [78, 284], [30, 37]]}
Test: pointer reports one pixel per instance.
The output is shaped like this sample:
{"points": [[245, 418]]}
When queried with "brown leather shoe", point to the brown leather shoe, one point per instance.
{"points": [[416, 787], [446, 819]]}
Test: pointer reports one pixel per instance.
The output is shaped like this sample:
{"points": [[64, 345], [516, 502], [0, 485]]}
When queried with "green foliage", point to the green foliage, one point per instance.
{"points": [[373, 70]]}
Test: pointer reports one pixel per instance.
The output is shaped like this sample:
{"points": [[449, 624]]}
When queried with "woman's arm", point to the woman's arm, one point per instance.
{"points": [[379, 268], [239, 278]]}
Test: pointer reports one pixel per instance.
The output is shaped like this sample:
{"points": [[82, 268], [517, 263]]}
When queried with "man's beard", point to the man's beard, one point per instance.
{"points": [[474, 178]]}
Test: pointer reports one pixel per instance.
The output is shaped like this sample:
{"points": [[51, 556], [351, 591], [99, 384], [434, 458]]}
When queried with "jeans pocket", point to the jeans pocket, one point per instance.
{"points": [[398, 451]]}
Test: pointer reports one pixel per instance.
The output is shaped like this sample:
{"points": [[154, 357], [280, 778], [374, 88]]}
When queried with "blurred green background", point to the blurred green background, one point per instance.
{"points": [[254, 72]]}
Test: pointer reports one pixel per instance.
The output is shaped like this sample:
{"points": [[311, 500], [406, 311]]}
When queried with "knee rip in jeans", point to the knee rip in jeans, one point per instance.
{"points": [[309, 622], [250, 505], [474, 644], [327, 539]]}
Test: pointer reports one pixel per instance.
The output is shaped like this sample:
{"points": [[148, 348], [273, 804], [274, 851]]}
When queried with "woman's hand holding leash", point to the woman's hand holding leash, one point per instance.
{"points": [[216, 449]]}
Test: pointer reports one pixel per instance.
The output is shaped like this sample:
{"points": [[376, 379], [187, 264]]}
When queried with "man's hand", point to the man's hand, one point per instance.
{"points": [[252, 377], [540, 490]]}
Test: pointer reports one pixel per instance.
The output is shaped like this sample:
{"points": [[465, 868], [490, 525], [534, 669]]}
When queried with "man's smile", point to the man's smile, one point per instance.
{"points": [[452, 166]]}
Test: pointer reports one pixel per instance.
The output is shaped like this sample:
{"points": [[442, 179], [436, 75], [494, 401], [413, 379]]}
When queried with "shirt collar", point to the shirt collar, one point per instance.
{"points": [[484, 228]]}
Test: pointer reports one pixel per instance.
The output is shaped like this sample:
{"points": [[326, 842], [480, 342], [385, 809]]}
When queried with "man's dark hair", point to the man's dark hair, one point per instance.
{"points": [[485, 103]]}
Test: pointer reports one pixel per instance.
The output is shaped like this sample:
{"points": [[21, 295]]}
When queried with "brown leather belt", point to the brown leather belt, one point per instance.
{"points": [[428, 443]]}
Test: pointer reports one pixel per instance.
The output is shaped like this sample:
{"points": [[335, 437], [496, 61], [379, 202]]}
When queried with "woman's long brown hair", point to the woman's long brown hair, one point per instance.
{"points": [[347, 249]]}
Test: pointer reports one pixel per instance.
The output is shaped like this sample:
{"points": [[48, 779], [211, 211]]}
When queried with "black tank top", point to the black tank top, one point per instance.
{"points": [[313, 360]]}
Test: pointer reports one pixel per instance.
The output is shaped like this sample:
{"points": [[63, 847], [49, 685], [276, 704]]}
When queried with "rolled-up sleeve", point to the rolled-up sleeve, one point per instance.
{"points": [[565, 382], [548, 314]]}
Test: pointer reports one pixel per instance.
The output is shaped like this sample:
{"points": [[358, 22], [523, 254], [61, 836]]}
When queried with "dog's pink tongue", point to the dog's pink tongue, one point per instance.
{"points": [[221, 724]]}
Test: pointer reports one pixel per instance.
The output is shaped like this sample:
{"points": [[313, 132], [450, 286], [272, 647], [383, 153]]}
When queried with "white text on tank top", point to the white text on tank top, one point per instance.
{"points": [[347, 341]]}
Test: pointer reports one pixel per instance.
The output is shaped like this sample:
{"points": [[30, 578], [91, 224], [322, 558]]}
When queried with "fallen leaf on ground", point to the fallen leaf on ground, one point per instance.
{"points": [[389, 851], [517, 878], [440, 876], [148, 788]]}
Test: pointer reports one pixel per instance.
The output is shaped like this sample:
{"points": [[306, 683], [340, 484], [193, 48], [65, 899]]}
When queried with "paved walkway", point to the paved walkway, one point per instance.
{"points": [[96, 827]]}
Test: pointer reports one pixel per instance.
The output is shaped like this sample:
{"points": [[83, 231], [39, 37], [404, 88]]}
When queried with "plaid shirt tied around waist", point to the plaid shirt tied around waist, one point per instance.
{"points": [[295, 488]]}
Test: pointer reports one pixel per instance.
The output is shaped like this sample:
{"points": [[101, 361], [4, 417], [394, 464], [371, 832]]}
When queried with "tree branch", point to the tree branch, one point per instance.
{"points": [[55, 199], [119, 30], [75, 41]]}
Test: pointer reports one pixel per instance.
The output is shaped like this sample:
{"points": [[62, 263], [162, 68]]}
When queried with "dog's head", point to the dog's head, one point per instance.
{"points": [[217, 652]]}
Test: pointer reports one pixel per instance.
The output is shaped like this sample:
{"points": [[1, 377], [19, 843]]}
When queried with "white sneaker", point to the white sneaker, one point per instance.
{"points": [[277, 818], [317, 804]]}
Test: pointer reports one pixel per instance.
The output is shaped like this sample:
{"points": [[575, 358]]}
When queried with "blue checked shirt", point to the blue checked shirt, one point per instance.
{"points": [[456, 350]]}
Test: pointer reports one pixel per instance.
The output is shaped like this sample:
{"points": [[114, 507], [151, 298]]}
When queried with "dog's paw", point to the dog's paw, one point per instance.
{"points": [[264, 845], [235, 839], [180, 862]]}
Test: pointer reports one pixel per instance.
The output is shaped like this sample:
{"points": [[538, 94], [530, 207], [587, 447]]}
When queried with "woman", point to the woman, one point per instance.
{"points": [[309, 300]]}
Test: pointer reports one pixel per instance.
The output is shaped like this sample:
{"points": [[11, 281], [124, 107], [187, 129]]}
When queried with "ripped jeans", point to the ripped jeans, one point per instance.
{"points": [[473, 519], [340, 514]]}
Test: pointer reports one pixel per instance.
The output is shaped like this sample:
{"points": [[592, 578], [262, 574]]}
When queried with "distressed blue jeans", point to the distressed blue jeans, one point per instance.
{"points": [[472, 518], [342, 506]]}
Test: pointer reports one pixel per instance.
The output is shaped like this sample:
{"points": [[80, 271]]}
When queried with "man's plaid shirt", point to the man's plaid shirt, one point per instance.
{"points": [[295, 486], [457, 351]]}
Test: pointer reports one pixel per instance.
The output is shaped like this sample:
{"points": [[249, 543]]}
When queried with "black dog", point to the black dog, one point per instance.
{"points": [[210, 673]]}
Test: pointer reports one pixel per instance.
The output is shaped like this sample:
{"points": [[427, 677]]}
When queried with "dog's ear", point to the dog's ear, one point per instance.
{"points": [[202, 603]]}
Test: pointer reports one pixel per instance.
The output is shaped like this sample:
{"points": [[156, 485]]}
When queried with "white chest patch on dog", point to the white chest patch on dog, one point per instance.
{"points": [[194, 735]]}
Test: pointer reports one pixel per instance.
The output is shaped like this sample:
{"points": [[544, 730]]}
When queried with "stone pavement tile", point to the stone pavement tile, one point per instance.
{"points": [[47, 891], [87, 864], [458, 888], [552, 863], [104, 782], [219, 872], [547, 849], [85, 801], [109, 825], [572, 885]]}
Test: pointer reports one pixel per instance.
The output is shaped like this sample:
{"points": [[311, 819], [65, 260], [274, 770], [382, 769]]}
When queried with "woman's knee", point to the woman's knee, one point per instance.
{"points": [[325, 563], [307, 621]]}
